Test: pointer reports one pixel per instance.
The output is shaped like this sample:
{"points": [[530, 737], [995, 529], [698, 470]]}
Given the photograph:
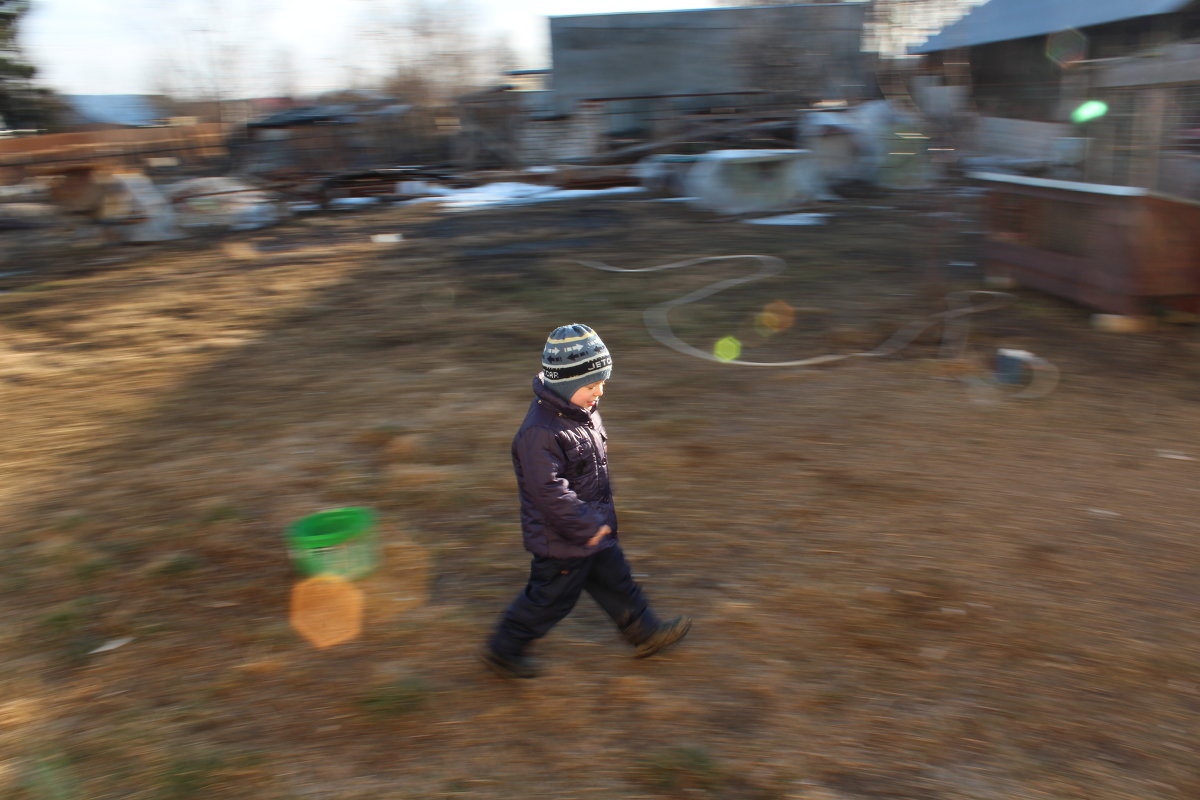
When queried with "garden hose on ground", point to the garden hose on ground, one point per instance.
{"points": [[954, 336]]}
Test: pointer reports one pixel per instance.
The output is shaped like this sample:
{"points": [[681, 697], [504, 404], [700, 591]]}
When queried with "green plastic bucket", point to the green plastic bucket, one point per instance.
{"points": [[340, 541]]}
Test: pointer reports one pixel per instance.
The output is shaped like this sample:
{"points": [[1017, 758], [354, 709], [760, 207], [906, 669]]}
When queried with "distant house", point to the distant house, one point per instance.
{"points": [[353, 131], [1103, 93], [638, 64], [230, 111], [635, 76], [1018, 51], [101, 111], [1024, 66]]}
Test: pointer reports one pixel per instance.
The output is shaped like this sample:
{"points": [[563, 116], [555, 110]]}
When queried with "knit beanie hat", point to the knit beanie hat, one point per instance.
{"points": [[574, 357]]}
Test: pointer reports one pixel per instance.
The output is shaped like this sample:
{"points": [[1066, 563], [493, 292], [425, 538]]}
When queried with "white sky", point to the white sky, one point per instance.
{"points": [[115, 46]]}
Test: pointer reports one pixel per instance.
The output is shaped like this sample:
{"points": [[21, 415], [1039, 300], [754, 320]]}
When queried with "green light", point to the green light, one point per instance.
{"points": [[1092, 109], [727, 349]]}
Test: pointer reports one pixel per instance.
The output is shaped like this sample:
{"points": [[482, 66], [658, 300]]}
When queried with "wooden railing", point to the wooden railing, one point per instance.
{"points": [[124, 148]]}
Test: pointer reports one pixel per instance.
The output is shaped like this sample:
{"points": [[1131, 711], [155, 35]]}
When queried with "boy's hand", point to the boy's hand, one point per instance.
{"points": [[600, 534]]}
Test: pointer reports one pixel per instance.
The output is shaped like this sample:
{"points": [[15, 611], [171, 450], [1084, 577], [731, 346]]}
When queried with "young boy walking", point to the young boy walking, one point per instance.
{"points": [[569, 524]]}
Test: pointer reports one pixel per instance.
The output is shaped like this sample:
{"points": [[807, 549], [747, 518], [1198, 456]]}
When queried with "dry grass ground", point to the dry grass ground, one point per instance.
{"points": [[903, 587]]}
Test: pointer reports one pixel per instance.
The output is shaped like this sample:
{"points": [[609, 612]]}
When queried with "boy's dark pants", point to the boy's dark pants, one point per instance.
{"points": [[555, 585]]}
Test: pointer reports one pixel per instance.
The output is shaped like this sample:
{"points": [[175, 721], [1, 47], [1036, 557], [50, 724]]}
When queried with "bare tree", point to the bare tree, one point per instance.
{"points": [[23, 104], [788, 63], [500, 56], [774, 60], [431, 50], [284, 73], [206, 49]]}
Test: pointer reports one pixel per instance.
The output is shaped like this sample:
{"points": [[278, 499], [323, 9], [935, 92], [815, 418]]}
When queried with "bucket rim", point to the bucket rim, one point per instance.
{"points": [[356, 521]]}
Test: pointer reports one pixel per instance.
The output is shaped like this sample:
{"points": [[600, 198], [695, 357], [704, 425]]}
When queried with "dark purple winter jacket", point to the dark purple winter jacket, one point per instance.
{"points": [[560, 457]]}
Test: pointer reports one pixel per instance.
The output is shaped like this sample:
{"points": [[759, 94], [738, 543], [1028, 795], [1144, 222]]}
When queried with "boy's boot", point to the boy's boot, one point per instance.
{"points": [[520, 666], [662, 636]]}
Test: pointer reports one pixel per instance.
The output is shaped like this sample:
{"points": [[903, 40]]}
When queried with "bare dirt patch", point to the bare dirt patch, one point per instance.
{"points": [[903, 587]]}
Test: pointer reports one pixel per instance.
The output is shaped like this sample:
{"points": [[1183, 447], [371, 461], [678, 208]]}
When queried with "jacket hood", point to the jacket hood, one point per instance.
{"points": [[552, 398]]}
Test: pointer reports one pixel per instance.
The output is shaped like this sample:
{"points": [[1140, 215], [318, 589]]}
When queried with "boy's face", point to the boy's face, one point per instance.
{"points": [[586, 397]]}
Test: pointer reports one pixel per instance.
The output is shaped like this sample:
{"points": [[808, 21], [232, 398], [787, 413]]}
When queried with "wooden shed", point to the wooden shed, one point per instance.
{"points": [[1118, 249]]}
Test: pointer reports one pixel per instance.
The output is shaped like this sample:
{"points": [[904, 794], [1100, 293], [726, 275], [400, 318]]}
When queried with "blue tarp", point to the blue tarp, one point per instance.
{"points": [[115, 109]]}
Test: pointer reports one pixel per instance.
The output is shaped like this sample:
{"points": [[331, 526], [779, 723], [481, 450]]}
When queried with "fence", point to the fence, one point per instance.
{"points": [[193, 146], [213, 148], [1150, 136]]}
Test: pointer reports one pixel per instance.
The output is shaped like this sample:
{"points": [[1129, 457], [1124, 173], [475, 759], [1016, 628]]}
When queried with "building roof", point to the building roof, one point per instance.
{"points": [[633, 15], [115, 109], [1004, 20]]}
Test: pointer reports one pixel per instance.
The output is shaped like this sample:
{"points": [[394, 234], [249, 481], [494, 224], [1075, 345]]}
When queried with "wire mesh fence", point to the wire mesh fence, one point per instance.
{"points": [[1149, 137]]}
